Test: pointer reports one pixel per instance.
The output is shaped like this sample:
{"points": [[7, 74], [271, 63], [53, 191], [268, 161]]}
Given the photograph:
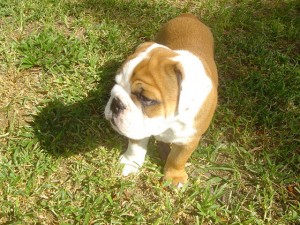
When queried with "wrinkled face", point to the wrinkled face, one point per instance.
{"points": [[146, 94]]}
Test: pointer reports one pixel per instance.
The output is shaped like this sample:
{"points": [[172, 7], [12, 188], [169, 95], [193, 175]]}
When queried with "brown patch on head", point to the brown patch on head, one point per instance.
{"points": [[155, 83]]}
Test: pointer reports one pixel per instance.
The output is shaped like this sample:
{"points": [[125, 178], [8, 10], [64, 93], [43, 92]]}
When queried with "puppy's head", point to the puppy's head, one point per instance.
{"points": [[147, 92]]}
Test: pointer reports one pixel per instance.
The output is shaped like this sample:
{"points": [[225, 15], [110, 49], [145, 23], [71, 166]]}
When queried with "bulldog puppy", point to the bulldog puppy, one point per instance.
{"points": [[166, 89]]}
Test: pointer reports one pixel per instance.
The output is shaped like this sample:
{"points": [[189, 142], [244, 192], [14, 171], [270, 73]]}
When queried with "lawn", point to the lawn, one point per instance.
{"points": [[59, 157]]}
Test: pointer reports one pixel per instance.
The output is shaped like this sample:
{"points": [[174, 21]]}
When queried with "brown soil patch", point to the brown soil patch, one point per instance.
{"points": [[18, 96]]}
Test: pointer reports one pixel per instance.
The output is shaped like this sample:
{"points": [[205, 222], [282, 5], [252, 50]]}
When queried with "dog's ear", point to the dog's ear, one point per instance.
{"points": [[178, 70]]}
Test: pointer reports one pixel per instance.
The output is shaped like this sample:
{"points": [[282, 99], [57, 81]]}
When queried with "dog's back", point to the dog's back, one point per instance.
{"points": [[186, 32]]}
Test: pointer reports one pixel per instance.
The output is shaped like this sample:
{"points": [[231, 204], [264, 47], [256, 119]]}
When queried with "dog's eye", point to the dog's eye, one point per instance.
{"points": [[144, 100]]}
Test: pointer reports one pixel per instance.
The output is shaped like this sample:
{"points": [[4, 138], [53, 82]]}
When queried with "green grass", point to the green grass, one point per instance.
{"points": [[59, 157]]}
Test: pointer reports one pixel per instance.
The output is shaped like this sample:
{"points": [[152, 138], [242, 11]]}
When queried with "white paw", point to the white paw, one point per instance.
{"points": [[130, 166], [179, 185], [128, 169]]}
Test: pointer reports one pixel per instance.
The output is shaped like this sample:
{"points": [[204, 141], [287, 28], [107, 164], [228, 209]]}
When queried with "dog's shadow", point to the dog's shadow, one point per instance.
{"points": [[67, 129], [64, 130]]}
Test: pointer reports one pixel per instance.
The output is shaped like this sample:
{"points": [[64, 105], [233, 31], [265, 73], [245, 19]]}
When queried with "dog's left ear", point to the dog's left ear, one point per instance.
{"points": [[178, 70]]}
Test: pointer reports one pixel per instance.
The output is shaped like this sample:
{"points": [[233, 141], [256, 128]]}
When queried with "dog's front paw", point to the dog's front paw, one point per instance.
{"points": [[177, 178], [130, 166]]}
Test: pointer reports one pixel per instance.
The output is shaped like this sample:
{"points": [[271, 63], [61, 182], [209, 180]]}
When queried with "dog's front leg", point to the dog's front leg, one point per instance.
{"points": [[174, 169], [134, 156]]}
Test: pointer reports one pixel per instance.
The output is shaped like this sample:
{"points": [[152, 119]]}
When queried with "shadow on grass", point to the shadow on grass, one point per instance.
{"points": [[64, 130]]}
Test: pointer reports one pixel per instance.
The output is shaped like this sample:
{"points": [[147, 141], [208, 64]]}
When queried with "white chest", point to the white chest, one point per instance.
{"points": [[179, 132]]}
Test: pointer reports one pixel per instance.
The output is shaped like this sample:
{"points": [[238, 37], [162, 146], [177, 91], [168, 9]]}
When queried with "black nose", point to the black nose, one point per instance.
{"points": [[116, 106]]}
